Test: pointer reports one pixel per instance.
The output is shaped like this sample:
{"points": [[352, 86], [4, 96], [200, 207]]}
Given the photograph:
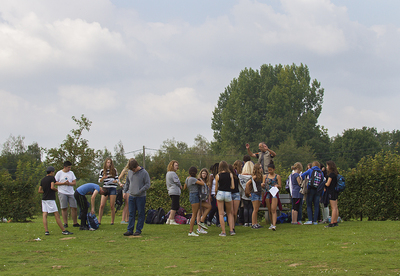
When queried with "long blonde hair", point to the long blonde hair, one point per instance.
{"points": [[248, 168]]}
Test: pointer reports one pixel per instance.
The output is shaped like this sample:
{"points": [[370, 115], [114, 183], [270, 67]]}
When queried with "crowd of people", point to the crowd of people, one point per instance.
{"points": [[235, 191]]}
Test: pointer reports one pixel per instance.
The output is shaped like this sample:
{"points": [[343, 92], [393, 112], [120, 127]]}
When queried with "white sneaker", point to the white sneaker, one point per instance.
{"points": [[201, 231], [173, 222], [271, 227], [308, 222], [167, 221], [193, 234]]}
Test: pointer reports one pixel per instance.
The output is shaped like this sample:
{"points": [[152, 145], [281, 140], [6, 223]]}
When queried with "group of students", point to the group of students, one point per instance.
{"points": [[228, 185], [135, 183], [244, 184], [328, 177], [221, 191]]}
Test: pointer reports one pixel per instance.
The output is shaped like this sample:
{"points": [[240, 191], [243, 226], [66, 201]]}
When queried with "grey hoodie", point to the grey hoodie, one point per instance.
{"points": [[137, 183]]}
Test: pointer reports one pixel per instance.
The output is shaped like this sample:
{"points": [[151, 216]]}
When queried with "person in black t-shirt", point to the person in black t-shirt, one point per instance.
{"points": [[332, 193], [47, 188]]}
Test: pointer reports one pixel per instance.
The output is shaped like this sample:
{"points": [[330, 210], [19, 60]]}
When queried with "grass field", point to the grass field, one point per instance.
{"points": [[353, 248]]}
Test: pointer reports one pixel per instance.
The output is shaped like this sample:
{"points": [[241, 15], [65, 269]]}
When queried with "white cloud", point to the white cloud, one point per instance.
{"points": [[98, 99], [169, 74], [181, 105]]}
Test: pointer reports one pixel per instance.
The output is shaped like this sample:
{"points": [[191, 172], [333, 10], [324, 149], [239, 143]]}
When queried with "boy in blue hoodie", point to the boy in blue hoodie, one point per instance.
{"points": [[312, 194], [137, 183]]}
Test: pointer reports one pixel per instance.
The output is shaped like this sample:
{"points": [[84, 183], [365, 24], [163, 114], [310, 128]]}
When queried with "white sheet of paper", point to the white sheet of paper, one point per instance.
{"points": [[273, 191]]}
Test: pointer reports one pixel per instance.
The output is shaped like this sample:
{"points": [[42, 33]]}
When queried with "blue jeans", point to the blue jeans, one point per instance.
{"points": [[136, 203], [312, 197]]}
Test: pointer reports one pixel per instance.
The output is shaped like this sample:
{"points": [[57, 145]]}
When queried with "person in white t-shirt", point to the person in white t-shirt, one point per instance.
{"points": [[66, 181]]}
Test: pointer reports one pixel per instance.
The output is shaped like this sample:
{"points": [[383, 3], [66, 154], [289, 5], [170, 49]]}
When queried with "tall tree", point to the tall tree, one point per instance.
{"points": [[14, 151], [348, 149], [269, 105], [76, 150]]}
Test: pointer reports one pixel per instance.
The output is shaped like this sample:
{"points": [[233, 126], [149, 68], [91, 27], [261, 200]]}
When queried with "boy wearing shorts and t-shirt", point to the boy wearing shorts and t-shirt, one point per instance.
{"points": [[47, 188], [66, 180]]}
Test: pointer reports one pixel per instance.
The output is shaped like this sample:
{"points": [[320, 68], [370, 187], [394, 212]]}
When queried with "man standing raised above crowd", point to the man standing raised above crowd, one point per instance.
{"points": [[264, 156]]}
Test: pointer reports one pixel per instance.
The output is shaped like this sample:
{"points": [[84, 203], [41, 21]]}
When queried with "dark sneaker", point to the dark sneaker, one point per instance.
{"points": [[137, 234], [232, 233], [84, 228], [65, 225], [47, 233], [329, 225], [335, 224], [127, 233], [112, 223], [76, 225], [66, 232]]}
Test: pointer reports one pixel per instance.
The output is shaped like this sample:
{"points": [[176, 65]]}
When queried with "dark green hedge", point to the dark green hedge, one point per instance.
{"points": [[372, 189]]}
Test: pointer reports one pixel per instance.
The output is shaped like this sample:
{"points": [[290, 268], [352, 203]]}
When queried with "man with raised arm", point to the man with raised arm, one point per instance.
{"points": [[264, 156]]}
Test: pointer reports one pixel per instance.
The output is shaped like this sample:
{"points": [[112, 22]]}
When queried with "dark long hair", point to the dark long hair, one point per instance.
{"points": [[332, 167]]}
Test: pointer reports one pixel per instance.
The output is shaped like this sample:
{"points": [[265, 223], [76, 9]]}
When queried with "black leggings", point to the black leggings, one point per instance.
{"points": [[247, 210], [83, 206], [214, 209]]}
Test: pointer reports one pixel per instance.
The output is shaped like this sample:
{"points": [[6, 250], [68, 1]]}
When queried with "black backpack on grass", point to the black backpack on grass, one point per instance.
{"points": [[159, 217], [150, 215]]}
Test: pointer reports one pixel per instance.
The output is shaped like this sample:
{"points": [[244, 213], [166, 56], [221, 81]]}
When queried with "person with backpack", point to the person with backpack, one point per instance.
{"points": [[272, 181], [315, 176], [137, 183], [244, 177], [174, 190], [204, 194], [214, 207], [192, 184], [295, 182], [80, 197], [255, 183], [330, 188]]}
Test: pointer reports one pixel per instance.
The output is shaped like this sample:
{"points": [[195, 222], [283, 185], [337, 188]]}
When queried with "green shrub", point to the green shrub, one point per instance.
{"points": [[19, 197], [372, 189]]}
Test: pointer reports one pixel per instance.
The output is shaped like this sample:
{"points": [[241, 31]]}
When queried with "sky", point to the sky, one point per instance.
{"points": [[147, 71]]}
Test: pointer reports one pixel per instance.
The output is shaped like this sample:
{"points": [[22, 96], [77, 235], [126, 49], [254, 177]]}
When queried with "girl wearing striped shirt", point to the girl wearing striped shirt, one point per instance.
{"points": [[109, 177]]}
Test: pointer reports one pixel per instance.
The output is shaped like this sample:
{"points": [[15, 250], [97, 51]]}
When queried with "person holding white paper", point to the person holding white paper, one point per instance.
{"points": [[272, 183]]}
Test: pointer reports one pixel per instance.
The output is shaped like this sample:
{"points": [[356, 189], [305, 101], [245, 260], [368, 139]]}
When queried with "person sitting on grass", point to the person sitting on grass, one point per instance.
{"points": [[80, 197], [192, 184], [47, 188]]}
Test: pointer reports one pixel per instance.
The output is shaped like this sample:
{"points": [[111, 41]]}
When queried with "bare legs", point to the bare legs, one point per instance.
{"points": [[228, 206]]}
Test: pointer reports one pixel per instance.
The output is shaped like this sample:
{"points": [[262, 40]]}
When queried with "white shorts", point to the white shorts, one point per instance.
{"points": [[49, 206], [65, 199]]}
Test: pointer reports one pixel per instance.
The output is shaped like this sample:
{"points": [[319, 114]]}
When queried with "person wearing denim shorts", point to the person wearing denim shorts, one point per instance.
{"points": [[257, 178], [192, 184], [224, 183]]}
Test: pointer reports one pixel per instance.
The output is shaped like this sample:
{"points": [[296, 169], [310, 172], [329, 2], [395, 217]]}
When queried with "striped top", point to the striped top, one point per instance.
{"points": [[108, 182]]}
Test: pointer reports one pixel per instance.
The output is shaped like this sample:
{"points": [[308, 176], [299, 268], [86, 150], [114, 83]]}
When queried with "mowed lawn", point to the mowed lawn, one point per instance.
{"points": [[355, 247]]}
